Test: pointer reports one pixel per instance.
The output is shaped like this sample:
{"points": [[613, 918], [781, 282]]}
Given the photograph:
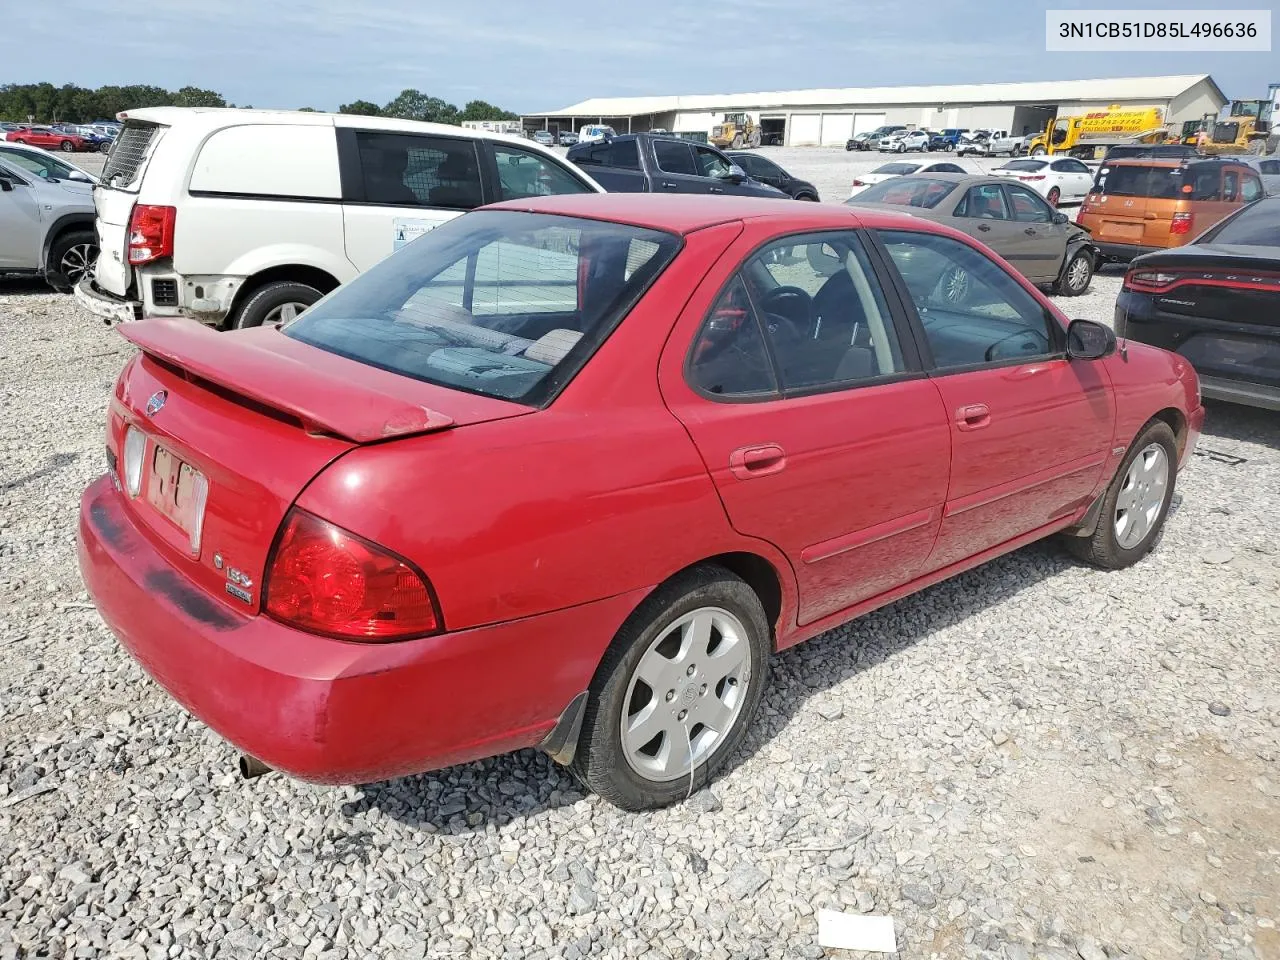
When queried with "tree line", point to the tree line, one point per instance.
{"points": [[70, 103]]}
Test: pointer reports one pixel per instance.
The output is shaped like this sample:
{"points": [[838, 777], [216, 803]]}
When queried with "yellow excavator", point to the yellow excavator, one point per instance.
{"points": [[737, 131]]}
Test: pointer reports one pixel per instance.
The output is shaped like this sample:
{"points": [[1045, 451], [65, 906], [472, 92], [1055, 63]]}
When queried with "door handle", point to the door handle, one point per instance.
{"points": [[668, 185], [715, 189], [983, 227], [758, 461], [973, 416]]}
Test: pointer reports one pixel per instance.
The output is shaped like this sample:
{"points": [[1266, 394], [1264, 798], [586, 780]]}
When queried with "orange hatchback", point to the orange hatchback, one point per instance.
{"points": [[1137, 206]]}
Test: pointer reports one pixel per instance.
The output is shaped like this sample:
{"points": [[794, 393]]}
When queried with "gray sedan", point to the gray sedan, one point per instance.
{"points": [[1011, 219]]}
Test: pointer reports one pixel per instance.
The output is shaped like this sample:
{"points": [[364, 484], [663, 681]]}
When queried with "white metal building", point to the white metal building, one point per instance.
{"points": [[830, 116]]}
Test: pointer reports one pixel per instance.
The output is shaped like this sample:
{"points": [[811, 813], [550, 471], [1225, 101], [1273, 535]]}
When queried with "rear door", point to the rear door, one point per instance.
{"points": [[807, 405], [1074, 177], [1041, 246], [397, 186], [114, 198]]}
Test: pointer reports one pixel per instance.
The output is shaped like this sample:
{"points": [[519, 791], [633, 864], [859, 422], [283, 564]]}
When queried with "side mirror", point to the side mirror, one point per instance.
{"points": [[736, 174], [79, 177], [1088, 340], [1060, 218], [5, 185]]}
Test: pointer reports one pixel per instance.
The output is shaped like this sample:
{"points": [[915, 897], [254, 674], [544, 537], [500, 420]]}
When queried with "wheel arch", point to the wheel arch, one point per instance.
{"points": [[322, 280], [1177, 423], [68, 221]]}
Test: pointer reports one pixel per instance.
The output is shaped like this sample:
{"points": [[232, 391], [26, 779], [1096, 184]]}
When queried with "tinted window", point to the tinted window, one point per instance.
{"points": [[626, 155], [499, 303], [44, 167], [1269, 167], [1251, 189], [1073, 166], [907, 192], [523, 174], [1231, 185], [1202, 183], [728, 356], [749, 164], [946, 168], [674, 157], [1257, 225], [972, 311], [897, 169], [419, 171], [1029, 166], [1027, 206], [1139, 181], [984, 202]]}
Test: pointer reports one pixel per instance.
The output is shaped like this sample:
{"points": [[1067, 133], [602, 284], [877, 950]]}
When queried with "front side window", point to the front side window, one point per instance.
{"points": [[984, 202], [824, 319], [409, 170], [674, 156], [1250, 189], [523, 174], [711, 163], [972, 311], [1203, 183], [1027, 206], [501, 303], [44, 168]]}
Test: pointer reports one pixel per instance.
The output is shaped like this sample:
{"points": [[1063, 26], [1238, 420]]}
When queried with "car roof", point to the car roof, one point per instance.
{"points": [[686, 213]]}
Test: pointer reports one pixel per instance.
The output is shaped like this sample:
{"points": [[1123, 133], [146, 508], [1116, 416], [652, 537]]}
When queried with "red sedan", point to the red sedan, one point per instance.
{"points": [[49, 139], [565, 472]]}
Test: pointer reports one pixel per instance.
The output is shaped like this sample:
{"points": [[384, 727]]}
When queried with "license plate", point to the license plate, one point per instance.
{"points": [[172, 490], [1113, 230]]}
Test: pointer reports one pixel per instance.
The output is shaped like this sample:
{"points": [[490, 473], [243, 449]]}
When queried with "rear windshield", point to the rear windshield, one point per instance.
{"points": [[1257, 225], [897, 169], [499, 303], [915, 192], [1025, 165], [1139, 181], [129, 152]]}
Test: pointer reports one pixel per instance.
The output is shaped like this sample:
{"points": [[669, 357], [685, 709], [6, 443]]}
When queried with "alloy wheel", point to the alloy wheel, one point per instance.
{"points": [[1142, 496], [283, 313], [1078, 273], [77, 261]]}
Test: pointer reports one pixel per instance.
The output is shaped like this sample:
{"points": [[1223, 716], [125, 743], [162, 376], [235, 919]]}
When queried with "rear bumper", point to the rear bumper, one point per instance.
{"points": [[330, 711], [109, 307], [1237, 391], [1122, 251]]}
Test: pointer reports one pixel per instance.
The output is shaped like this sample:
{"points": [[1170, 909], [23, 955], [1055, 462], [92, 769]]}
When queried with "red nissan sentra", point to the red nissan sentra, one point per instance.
{"points": [[565, 472]]}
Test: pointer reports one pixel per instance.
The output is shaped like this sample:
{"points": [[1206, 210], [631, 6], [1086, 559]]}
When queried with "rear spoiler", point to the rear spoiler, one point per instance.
{"points": [[327, 393]]}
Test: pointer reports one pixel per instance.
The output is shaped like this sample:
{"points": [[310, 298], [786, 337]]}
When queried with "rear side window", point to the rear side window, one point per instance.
{"points": [[414, 171], [269, 160], [131, 148], [1161, 183], [501, 303], [1202, 183], [523, 174], [674, 157]]}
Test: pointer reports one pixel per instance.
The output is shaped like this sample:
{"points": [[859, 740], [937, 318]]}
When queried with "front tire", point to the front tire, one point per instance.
{"points": [[1136, 503], [1038, 151], [71, 257], [1076, 275], [676, 691], [274, 303]]}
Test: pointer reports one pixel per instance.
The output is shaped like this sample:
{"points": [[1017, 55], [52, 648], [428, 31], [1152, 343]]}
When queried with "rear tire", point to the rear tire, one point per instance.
{"points": [[71, 256], [1131, 499], [274, 303], [661, 643]]}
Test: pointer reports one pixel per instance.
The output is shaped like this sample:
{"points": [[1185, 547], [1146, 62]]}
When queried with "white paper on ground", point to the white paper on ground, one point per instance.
{"points": [[846, 931]]}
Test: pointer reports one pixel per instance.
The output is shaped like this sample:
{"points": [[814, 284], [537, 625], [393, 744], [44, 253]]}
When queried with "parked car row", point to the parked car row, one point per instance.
{"points": [[55, 139]]}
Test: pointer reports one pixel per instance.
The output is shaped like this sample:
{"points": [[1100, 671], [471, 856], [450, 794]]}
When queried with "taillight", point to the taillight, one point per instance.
{"points": [[325, 580], [1181, 223], [1148, 280], [151, 233], [135, 444]]}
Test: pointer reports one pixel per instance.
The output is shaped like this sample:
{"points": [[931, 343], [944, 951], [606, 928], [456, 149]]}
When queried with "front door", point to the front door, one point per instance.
{"points": [[1030, 429], [20, 225], [809, 409], [677, 171], [1039, 244]]}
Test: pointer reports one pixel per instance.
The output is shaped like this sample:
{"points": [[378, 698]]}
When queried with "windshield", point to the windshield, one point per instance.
{"points": [[1257, 225], [897, 169], [1030, 165], [916, 192], [1138, 181], [500, 303]]}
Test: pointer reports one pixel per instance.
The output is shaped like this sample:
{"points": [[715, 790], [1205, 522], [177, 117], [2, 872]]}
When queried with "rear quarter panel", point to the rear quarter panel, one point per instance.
{"points": [[599, 494]]}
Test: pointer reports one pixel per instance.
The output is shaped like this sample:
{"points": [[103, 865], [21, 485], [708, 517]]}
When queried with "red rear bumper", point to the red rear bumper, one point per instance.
{"points": [[328, 710]]}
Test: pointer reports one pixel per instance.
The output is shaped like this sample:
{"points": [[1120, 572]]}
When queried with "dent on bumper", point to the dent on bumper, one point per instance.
{"points": [[331, 711]]}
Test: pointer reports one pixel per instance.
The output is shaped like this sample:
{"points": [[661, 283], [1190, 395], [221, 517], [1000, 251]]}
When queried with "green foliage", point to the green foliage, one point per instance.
{"points": [[73, 104]]}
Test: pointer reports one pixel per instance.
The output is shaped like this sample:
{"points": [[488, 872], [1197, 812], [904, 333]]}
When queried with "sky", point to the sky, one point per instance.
{"points": [[530, 56]]}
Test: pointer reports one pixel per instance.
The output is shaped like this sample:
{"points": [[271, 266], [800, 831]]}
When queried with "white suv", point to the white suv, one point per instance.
{"points": [[242, 217]]}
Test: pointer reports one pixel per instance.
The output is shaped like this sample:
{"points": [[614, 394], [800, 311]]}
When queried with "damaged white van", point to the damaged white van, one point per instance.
{"points": [[242, 217]]}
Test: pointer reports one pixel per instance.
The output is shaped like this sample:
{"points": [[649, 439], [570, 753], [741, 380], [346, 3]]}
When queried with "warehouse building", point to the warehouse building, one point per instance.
{"points": [[829, 117]]}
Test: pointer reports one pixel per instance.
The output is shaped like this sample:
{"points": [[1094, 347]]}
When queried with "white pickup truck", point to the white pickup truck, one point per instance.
{"points": [[1003, 142]]}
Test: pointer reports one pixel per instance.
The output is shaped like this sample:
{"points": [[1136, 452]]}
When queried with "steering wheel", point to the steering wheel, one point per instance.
{"points": [[788, 312]]}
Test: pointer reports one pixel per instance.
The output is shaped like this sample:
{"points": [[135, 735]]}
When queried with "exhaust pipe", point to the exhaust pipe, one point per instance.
{"points": [[251, 767]]}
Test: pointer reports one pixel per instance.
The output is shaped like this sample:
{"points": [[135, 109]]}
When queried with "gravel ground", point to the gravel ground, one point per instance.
{"points": [[1034, 760]]}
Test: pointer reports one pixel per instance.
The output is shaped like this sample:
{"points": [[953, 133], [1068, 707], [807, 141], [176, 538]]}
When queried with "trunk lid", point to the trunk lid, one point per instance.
{"points": [[114, 198], [258, 416], [1134, 203]]}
